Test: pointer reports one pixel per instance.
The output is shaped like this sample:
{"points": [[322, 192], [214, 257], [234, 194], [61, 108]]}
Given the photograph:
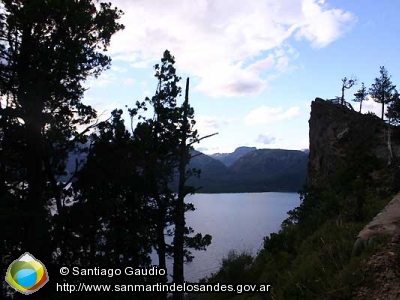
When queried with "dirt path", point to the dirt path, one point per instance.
{"points": [[381, 274], [381, 270], [387, 222]]}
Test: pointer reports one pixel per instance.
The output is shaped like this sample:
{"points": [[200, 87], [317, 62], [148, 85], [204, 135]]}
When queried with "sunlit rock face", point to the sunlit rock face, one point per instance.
{"points": [[387, 223], [338, 134]]}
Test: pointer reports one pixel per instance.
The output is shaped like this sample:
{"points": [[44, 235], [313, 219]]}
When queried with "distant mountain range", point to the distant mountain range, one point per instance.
{"points": [[229, 158], [247, 169]]}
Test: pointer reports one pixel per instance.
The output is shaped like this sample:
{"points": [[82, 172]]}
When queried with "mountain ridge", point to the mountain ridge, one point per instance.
{"points": [[259, 170], [229, 158], [250, 170]]}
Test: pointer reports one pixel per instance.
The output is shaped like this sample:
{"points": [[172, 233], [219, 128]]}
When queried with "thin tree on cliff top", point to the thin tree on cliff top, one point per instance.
{"points": [[361, 95], [347, 84], [382, 90], [393, 109]]}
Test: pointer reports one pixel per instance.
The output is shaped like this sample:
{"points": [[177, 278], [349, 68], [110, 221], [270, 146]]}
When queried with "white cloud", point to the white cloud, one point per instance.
{"points": [[268, 115], [105, 79], [262, 64], [209, 124], [370, 106], [140, 65], [321, 25], [231, 46], [127, 56], [282, 63], [129, 81], [265, 139], [117, 69]]}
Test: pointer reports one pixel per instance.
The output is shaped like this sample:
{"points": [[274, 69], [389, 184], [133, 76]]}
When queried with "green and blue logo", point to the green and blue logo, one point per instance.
{"points": [[27, 274]]}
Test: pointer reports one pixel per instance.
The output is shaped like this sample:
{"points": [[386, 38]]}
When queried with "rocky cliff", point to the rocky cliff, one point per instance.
{"points": [[349, 182], [339, 134]]}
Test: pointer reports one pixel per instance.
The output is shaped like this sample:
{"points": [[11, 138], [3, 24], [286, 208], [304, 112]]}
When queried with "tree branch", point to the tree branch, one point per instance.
{"points": [[202, 138]]}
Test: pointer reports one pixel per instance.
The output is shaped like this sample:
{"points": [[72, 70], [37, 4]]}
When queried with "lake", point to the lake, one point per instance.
{"points": [[235, 221]]}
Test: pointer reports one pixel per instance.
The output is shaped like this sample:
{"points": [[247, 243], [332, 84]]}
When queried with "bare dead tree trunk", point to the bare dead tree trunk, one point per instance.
{"points": [[346, 84], [180, 205], [342, 98]]}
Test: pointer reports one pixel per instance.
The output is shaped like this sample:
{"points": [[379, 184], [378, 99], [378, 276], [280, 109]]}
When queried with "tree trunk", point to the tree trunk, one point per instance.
{"points": [[360, 105], [160, 214], [342, 99], [389, 144], [160, 219], [180, 205], [161, 239], [35, 239], [162, 250]]}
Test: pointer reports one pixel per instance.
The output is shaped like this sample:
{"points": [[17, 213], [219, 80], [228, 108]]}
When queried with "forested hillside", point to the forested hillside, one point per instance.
{"points": [[116, 204], [314, 255], [263, 170]]}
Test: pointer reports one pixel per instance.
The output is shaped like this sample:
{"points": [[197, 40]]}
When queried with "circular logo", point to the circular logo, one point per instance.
{"points": [[27, 274]]}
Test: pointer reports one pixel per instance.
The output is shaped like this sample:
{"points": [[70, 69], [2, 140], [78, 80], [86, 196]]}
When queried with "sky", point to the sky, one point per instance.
{"points": [[254, 65]]}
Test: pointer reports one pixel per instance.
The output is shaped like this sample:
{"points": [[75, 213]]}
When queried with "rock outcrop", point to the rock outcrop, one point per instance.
{"points": [[386, 223], [338, 134]]}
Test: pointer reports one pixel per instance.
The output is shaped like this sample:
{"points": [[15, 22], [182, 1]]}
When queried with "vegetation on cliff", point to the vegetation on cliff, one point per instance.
{"points": [[311, 256]]}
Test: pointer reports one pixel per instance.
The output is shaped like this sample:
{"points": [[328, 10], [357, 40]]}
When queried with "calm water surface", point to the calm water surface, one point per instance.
{"points": [[235, 221]]}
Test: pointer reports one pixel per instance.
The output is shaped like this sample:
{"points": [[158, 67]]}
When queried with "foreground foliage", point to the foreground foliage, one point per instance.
{"points": [[118, 204], [311, 256]]}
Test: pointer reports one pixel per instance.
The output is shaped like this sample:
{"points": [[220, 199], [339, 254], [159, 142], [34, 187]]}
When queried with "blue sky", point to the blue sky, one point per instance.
{"points": [[254, 66]]}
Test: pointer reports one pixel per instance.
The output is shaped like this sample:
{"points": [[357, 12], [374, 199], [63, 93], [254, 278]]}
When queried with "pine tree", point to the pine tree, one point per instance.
{"points": [[167, 140], [48, 49], [382, 90], [361, 95], [393, 109], [110, 192]]}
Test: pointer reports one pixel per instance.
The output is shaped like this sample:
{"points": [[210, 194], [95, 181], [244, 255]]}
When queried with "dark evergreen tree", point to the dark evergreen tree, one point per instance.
{"points": [[159, 143], [382, 90], [361, 95], [111, 221], [166, 141], [393, 109], [48, 48]]}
